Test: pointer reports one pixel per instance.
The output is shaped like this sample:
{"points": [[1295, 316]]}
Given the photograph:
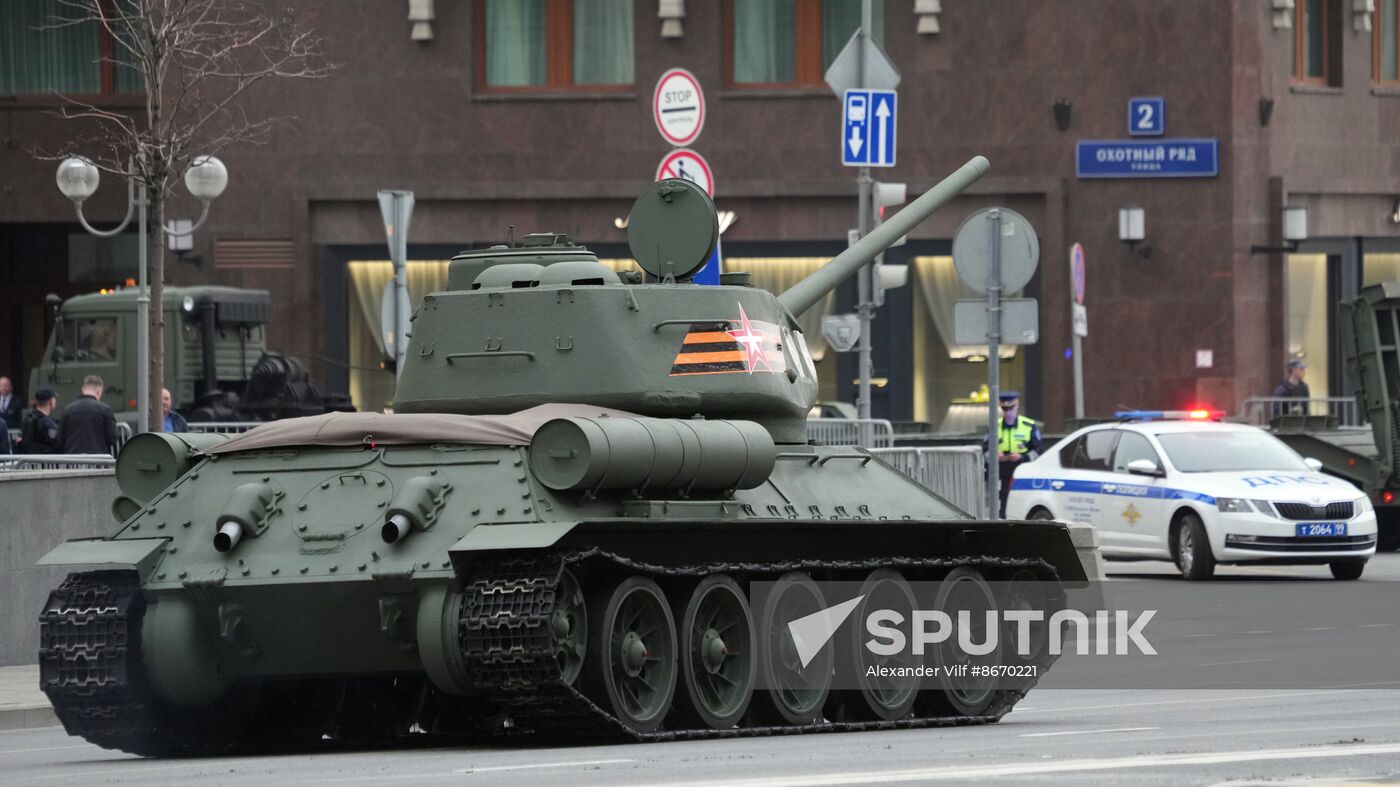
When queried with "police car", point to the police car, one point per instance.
{"points": [[1182, 486]]}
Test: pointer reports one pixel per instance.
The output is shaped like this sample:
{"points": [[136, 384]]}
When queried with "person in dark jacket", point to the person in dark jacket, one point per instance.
{"points": [[172, 420], [10, 404], [88, 426], [39, 434]]}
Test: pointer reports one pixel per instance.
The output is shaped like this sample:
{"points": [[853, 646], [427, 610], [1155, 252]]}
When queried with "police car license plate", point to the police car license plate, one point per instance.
{"points": [[1322, 529]]}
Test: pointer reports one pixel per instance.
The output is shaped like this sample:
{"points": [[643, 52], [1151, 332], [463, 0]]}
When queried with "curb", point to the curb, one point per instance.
{"points": [[28, 718]]}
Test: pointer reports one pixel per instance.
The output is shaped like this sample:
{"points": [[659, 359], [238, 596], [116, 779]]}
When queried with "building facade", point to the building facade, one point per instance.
{"points": [[509, 116]]}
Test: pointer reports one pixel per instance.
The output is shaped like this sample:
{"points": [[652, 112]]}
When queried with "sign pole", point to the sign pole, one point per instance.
{"points": [[1079, 322], [994, 367], [396, 207], [866, 307]]}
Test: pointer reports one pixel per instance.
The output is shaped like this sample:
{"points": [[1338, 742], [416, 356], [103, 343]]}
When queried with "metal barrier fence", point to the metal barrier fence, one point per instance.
{"points": [[955, 472], [1259, 410], [847, 431], [124, 433], [56, 461]]}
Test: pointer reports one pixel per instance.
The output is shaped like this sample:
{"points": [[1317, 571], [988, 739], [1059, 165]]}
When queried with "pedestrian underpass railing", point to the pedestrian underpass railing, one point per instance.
{"points": [[18, 462], [954, 472], [1260, 410], [870, 432]]}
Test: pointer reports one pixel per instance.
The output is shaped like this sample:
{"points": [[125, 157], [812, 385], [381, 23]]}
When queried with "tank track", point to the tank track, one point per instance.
{"points": [[89, 665], [91, 669], [507, 645]]}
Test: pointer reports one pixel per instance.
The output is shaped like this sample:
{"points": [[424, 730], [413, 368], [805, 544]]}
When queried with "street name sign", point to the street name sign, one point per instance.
{"points": [[868, 128], [1141, 158], [678, 107]]}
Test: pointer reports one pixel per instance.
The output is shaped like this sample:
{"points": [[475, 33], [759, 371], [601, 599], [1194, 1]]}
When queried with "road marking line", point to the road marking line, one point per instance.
{"points": [[1086, 732], [1289, 695], [1236, 661], [574, 764], [1320, 628], [1374, 625], [1197, 636], [46, 748], [1326, 751], [1256, 632]]}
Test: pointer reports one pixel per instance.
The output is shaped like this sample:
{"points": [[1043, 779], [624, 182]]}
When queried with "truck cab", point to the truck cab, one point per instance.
{"points": [[217, 365]]}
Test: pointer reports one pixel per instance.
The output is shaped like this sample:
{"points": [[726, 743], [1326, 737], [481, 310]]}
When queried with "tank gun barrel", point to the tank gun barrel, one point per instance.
{"points": [[805, 294]]}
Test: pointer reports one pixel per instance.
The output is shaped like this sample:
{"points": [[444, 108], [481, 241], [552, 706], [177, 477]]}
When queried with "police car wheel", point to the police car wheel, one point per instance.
{"points": [[1041, 515], [1347, 569], [1193, 555]]}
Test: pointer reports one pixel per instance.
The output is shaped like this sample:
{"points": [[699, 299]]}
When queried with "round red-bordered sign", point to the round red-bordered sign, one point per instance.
{"points": [[678, 107], [1076, 272], [689, 165]]}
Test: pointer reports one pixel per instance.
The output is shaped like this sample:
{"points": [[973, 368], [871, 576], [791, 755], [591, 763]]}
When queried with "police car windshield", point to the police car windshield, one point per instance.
{"points": [[1214, 452]]}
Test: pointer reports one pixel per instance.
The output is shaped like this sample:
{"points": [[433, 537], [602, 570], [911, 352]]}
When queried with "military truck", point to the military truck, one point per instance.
{"points": [[1370, 331], [217, 365], [593, 514]]}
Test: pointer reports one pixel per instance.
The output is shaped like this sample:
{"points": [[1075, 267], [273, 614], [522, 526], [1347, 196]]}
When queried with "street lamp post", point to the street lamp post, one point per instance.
{"points": [[78, 179]]}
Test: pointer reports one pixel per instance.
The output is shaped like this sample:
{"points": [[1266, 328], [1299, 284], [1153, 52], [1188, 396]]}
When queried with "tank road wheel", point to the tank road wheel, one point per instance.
{"points": [[791, 692], [1025, 591], [631, 661], [718, 656], [963, 594], [569, 622], [890, 695]]}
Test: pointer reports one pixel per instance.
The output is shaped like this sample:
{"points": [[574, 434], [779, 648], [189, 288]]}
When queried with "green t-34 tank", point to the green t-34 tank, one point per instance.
{"points": [[557, 533]]}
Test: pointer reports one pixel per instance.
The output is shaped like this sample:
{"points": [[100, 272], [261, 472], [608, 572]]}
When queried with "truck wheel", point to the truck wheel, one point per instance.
{"points": [[1388, 537], [1347, 569], [1193, 555]]}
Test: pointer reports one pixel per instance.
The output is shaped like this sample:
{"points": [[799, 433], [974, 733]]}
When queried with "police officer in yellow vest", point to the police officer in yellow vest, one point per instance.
{"points": [[1018, 440]]}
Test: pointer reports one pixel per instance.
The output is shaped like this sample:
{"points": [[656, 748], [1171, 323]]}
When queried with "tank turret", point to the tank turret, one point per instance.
{"points": [[545, 322]]}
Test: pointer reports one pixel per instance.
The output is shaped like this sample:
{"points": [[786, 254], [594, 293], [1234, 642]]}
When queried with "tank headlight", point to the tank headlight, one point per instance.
{"points": [[188, 303], [1233, 505]]}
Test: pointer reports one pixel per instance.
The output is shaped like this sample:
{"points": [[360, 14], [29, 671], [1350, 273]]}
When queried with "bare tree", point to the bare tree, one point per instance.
{"points": [[197, 59]]}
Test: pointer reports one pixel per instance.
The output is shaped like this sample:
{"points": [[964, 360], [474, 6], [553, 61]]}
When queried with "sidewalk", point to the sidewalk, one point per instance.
{"points": [[22, 704]]}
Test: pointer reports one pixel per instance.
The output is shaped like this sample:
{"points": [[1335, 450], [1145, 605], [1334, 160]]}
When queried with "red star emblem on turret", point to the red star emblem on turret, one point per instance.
{"points": [[752, 341]]}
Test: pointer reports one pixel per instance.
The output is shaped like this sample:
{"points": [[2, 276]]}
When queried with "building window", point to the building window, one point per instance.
{"points": [[544, 45], [789, 42], [1317, 45], [1383, 52], [39, 53]]}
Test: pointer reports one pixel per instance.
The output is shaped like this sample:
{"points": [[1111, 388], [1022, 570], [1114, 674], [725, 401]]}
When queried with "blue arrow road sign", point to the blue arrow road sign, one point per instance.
{"points": [[867, 128]]}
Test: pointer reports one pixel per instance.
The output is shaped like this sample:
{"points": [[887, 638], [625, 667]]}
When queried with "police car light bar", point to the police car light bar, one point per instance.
{"points": [[1169, 415]]}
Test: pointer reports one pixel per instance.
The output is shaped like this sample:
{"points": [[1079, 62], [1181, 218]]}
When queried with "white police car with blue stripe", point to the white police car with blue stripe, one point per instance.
{"points": [[1179, 486]]}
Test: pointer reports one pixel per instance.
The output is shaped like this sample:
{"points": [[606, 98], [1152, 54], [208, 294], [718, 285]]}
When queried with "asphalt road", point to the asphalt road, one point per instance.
{"points": [[1063, 736]]}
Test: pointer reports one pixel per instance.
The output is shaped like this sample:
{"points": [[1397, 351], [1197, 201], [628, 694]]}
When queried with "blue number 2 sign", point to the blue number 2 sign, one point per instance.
{"points": [[1147, 117]]}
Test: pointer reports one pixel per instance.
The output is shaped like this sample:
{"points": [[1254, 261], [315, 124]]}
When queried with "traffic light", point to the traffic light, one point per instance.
{"points": [[884, 197]]}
